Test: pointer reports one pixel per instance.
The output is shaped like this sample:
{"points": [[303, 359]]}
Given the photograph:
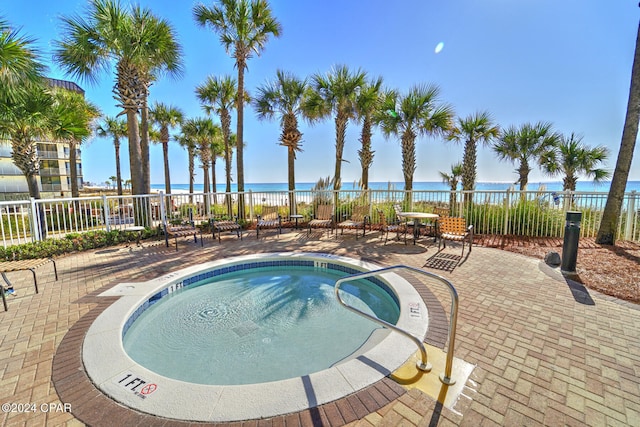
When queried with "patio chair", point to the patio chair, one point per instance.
{"points": [[385, 227], [455, 229], [219, 225], [323, 218], [359, 218], [442, 212], [270, 218]]}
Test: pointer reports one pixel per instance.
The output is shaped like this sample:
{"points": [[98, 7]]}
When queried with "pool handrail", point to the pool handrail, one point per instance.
{"points": [[423, 365]]}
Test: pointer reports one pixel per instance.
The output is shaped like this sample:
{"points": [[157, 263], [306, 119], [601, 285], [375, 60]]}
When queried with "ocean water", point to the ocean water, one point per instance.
{"points": [[481, 186]]}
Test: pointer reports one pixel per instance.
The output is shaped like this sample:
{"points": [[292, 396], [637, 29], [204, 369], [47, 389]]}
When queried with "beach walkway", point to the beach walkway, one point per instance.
{"points": [[545, 351]]}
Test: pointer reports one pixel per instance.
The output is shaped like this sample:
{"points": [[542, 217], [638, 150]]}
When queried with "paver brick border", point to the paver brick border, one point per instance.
{"points": [[92, 407]]}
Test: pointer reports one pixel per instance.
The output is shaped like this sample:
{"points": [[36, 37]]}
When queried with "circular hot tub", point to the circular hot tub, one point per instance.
{"points": [[250, 337]]}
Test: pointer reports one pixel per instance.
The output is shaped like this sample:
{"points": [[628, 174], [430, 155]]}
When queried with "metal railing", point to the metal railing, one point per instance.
{"points": [[423, 365], [527, 213]]}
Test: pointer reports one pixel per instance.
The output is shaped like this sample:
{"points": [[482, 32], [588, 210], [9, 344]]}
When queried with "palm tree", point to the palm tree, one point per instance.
{"points": [[475, 128], [283, 98], [452, 179], [116, 128], [418, 113], [202, 130], [187, 141], [244, 27], [367, 103], [219, 95], [113, 180], [523, 145], [138, 44], [611, 215], [335, 93], [163, 57], [73, 116], [570, 157], [23, 123], [24, 103], [20, 66], [166, 116]]}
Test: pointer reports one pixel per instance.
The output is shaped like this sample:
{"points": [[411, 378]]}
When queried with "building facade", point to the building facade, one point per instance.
{"points": [[55, 170]]}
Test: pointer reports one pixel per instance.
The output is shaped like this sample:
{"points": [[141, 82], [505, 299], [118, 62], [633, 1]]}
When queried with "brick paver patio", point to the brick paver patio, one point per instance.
{"points": [[547, 352]]}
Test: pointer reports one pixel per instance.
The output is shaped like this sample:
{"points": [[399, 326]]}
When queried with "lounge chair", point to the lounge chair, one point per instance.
{"points": [[220, 225], [359, 218], [270, 218], [455, 229], [323, 218], [385, 227]]}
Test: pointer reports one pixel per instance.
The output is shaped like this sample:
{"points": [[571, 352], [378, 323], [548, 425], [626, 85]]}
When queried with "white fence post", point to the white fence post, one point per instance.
{"points": [[507, 206], [568, 199], [250, 204], [163, 216], [107, 213], [631, 210], [34, 220]]}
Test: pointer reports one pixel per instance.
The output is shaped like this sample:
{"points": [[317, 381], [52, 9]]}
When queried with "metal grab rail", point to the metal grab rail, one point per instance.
{"points": [[453, 318]]}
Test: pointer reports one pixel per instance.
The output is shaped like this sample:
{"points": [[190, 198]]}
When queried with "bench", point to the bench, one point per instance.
{"points": [[184, 230], [220, 225], [27, 264]]}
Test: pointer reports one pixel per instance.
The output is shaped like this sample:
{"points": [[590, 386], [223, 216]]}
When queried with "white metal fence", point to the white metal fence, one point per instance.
{"points": [[529, 213]]}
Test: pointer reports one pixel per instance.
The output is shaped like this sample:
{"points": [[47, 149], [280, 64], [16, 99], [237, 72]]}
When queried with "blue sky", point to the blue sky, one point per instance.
{"points": [[567, 62]]}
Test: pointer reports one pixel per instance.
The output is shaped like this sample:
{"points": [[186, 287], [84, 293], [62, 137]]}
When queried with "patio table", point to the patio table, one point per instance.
{"points": [[418, 216], [296, 218]]}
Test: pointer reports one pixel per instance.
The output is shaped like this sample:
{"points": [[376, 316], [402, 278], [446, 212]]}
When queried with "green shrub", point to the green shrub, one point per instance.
{"points": [[72, 242]]}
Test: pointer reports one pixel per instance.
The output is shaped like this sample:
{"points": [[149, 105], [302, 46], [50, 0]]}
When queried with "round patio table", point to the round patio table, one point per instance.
{"points": [[296, 217], [418, 216]]}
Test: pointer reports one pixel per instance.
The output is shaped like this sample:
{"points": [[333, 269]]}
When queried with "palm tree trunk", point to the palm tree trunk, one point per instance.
{"points": [[341, 130], [134, 153], [116, 144], [225, 120], [291, 162], [144, 147], [32, 184], [192, 167], [523, 173], [366, 155], [610, 216], [469, 169], [241, 64], [73, 169], [167, 177], [205, 172], [408, 163]]}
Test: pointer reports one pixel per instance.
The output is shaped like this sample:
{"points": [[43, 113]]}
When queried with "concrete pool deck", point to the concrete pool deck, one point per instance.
{"points": [[546, 352]]}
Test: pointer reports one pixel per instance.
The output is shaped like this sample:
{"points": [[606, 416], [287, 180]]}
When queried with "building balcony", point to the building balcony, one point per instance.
{"points": [[49, 172]]}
